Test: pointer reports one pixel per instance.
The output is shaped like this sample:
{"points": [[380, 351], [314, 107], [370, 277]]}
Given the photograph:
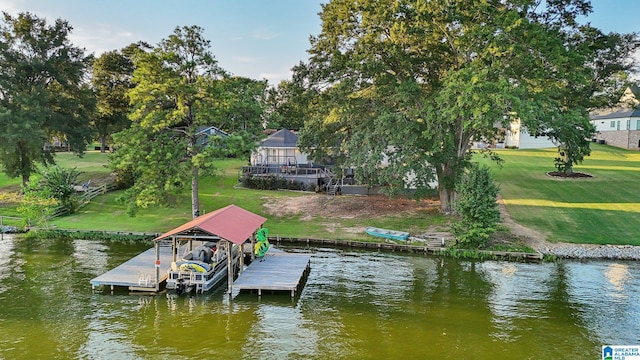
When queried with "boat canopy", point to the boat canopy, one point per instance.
{"points": [[230, 223]]}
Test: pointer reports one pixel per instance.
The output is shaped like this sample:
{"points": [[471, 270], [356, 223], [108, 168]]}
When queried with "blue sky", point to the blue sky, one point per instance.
{"points": [[259, 39]]}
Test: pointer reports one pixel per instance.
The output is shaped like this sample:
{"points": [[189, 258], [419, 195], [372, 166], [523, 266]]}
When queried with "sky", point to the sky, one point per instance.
{"points": [[258, 39]]}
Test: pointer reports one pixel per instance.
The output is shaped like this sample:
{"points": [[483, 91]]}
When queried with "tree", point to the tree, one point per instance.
{"points": [[177, 90], [42, 94], [242, 105], [417, 82], [45, 193], [37, 205], [477, 207], [111, 81], [287, 105]]}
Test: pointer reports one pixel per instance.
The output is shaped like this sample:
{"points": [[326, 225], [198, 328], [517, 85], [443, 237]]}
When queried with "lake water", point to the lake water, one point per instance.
{"points": [[355, 305]]}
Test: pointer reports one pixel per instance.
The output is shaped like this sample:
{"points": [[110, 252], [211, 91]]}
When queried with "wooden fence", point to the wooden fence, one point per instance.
{"points": [[85, 197]]}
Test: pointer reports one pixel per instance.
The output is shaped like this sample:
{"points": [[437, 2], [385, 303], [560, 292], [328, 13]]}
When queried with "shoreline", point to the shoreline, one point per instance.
{"points": [[591, 252], [538, 242]]}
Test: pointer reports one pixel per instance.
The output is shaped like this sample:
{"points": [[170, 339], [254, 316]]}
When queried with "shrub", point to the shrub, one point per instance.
{"points": [[477, 207], [125, 178], [270, 182], [59, 182]]}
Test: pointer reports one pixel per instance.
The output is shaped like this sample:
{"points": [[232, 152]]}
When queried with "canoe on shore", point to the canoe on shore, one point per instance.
{"points": [[387, 234]]}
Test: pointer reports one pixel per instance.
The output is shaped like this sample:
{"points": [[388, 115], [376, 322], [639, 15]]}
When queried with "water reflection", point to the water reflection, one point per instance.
{"points": [[607, 295], [354, 305], [618, 275]]}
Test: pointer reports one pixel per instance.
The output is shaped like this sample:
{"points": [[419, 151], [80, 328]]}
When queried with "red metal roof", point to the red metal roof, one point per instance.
{"points": [[231, 223]]}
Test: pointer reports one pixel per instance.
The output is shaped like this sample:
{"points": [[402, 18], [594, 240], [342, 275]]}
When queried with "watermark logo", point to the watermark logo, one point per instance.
{"points": [[620, 352]]}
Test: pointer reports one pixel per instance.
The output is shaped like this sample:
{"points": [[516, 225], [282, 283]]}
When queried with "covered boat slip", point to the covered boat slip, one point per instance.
{"points": [[226, 230], [279, 271], [138, 273], [230, 226], [146, 272]]}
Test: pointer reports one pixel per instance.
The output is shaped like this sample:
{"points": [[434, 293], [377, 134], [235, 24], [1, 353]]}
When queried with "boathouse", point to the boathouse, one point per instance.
{"points": [[231, 223]]}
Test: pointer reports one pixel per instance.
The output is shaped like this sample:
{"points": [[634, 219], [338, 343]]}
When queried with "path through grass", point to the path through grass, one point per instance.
{"points": [[604, 209]]}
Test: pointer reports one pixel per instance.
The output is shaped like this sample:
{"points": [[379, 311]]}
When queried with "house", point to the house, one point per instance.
{"points": [[278, 155], [517, 136], [203, 134], [279, 149], [619, 126]]}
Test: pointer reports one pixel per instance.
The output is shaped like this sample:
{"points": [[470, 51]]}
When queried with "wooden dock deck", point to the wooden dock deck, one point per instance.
{"points": [[279, 271], [138, 273]]}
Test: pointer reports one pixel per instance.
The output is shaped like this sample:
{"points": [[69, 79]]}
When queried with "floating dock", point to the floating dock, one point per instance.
{"points": [[277, 271], [138, 273]]}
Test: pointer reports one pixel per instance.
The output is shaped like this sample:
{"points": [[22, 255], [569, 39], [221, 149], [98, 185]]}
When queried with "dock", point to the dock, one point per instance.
{"points": [[138, 273], [278, 271]]}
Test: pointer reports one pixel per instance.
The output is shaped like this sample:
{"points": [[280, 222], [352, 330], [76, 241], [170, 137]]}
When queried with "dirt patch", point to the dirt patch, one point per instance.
{"points": [[573, 175], [530, 237], [345, 207], [372, 206], [333, 208]]}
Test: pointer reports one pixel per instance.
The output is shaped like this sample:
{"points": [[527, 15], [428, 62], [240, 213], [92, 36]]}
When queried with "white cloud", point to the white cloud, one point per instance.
{"points": [[245, 59], [96, 39], [265, 34], [101, 38], [9, 6], [275, 78]]}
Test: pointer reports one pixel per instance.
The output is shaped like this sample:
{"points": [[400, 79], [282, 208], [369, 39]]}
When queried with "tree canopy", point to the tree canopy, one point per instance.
{"points": [[179, 89], [111, 80], [287, 105], [415, 82], [42, 93]]}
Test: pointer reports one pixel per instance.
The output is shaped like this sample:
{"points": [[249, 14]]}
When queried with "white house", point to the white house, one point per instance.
{"points": [[518, 136], [281, 149], [620, 126]]}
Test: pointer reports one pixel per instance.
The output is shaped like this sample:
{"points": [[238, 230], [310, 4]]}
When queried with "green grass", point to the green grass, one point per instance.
{"points": [[92, 165], [105, 213], [602, 210]]}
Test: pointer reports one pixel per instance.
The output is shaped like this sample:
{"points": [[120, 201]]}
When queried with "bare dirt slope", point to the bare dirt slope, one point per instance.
{"points": [[345, 207], [349, 207]]}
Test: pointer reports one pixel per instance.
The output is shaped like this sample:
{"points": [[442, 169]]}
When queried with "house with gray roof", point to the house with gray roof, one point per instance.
{"points": [[204, 133], [279, 149], [620, 126]]}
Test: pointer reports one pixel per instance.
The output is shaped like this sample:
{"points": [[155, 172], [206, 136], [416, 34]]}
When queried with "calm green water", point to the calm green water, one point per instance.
{"points": [[355, 305]]}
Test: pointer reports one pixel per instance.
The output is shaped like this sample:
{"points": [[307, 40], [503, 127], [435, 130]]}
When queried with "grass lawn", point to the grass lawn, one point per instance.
{"points": [[604, 209], [92, 165], [105, 213]]}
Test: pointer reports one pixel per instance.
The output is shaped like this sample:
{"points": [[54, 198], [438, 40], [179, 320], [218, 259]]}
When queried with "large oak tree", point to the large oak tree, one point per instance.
{"points": [[415, 82], [42, 93]]}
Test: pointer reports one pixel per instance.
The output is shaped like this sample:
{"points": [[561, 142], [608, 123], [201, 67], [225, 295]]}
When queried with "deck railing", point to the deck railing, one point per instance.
{"points": [[282, 170]]}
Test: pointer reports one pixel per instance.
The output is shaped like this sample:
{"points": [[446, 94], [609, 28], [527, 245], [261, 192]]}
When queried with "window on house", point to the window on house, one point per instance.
{"points": [[628, 124], [613, 123], [638, 125]]}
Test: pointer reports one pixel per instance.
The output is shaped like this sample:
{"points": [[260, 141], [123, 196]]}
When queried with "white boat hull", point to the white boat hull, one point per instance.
{"points": [[199, 276]]}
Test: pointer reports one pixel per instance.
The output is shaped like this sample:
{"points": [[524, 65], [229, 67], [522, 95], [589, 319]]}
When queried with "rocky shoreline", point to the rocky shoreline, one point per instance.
{"points": [[584, 252]]}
